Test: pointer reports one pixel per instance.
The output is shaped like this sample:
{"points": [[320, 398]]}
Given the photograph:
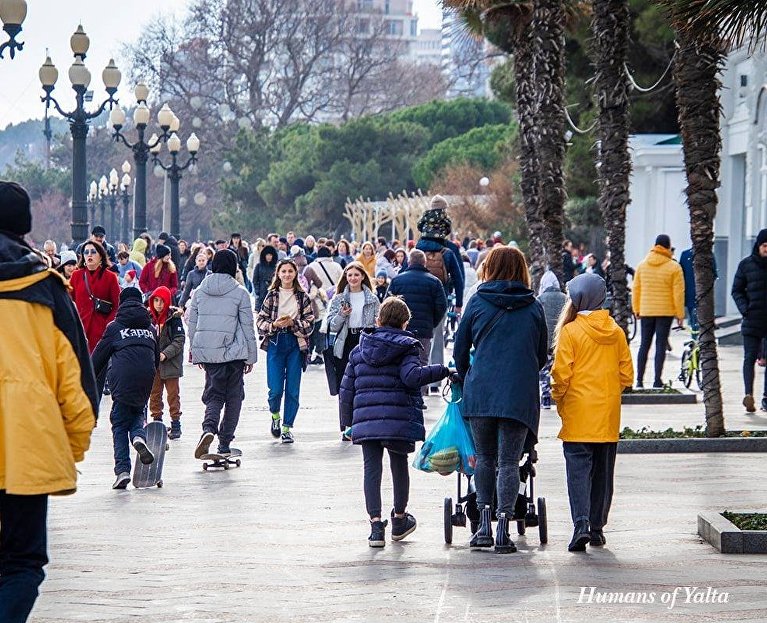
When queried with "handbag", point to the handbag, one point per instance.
{"points": [[99, 305]]}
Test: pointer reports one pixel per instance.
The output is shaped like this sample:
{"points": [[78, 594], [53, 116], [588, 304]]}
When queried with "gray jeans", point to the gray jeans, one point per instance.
{"points": [[590, 471], [437, 354], [499, 442]]}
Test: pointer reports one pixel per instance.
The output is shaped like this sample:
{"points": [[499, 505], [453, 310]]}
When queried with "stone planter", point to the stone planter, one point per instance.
{"points": [[728, 538], [660, 397], [692, 445]]}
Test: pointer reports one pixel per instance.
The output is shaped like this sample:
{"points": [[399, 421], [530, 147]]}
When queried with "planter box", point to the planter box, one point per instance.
{"points": [[680, 397], [692, 445], [728, 538]]}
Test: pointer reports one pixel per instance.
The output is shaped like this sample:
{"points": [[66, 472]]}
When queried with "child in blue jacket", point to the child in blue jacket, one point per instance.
{"points": [[381, 399]]}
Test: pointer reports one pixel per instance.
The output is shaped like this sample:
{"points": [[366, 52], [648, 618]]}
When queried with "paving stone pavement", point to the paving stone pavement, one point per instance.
{"points": [[283, 538]]}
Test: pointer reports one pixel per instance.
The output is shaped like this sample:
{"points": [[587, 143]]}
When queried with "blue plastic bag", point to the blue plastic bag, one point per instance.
{"points": [[449, 447]]}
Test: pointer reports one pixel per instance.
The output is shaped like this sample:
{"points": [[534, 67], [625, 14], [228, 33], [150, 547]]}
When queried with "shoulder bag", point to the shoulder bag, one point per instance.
{"points": [[99, 305]]}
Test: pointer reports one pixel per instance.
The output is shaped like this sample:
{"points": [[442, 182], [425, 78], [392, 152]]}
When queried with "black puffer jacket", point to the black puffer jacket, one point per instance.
{"points": [[749, 290], [263, 274], [131, 343]]}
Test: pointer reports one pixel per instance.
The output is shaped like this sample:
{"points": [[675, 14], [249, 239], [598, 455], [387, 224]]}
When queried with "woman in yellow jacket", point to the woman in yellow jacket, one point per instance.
{"points": [[48, 402], [592, 366]]}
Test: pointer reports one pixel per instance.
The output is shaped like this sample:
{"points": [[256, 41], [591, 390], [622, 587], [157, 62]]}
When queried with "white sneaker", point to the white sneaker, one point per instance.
{"points": [[144, 453], [122, 481]]}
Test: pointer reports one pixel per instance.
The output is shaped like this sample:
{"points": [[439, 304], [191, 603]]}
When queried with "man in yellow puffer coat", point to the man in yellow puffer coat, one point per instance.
{"points": [[657, 299], [48, 402]]}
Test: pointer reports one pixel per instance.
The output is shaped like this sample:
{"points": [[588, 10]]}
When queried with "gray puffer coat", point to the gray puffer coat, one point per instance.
{"points": [[221, 327]]}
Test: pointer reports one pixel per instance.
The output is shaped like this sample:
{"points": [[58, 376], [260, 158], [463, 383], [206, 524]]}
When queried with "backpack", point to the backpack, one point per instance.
{"points": [[435, 264]]}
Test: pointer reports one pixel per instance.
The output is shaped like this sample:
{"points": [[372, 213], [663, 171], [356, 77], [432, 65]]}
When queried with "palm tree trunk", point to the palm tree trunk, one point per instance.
{"points": [[610, 26], [696, 68], [526, 100], [548, 31]]}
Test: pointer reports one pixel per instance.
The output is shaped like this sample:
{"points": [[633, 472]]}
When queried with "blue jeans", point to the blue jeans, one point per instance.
{"points": [[590, 471], [283, 375], [499, 442], [23, 553], [127, 424]]}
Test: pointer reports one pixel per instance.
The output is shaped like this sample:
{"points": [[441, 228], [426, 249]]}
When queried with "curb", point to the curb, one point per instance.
{"points": [[683, 397], [691, 445], [726, 537]]}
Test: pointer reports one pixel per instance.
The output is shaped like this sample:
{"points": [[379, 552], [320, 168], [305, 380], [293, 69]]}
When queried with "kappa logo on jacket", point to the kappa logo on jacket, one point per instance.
{"points": [[146, 333]]}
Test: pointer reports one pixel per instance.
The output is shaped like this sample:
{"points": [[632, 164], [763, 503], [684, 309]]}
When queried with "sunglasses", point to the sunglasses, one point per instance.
{"points": [[90, 252]]}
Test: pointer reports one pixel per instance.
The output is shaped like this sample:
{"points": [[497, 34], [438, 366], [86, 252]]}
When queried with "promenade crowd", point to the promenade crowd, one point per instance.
{"points": [[126, 318]]}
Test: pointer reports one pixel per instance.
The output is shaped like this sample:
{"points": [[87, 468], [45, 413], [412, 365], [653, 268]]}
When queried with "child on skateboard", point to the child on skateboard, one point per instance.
{"points": [[170, 337], [381, 400], [223, 343], [131, 344]]}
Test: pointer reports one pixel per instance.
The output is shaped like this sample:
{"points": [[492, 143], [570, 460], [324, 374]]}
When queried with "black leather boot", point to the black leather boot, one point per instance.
{"points": [[484, 535], [581, 536], [503, 543]]}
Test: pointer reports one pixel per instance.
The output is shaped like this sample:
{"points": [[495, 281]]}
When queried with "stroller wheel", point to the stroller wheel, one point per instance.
{"points": [[543, 526], [521, 527], [448, 520]]}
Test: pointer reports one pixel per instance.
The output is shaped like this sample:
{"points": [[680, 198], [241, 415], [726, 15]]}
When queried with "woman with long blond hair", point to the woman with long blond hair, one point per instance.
{"points": [[505, 326], [159, 271]]}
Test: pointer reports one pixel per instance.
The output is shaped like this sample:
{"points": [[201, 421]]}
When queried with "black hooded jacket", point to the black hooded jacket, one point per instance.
{"points": [[131, 343], [175, 252], [749, 290], [263, 274]]}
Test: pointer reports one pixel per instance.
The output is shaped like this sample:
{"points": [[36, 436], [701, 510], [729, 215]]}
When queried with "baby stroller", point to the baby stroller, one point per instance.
{"points": [[526, 515]]}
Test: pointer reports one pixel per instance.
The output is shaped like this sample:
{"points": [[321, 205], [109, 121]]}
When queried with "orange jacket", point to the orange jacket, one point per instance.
{"points": [[658, 288], [592, 365]]}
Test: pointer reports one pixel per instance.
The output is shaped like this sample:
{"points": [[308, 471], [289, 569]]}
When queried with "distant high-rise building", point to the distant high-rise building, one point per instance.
{"points": [[427, 48], [465, 60]]}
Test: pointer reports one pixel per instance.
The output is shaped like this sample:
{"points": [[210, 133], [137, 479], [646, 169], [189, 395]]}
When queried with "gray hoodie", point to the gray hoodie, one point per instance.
{"points": [[221, 327]]}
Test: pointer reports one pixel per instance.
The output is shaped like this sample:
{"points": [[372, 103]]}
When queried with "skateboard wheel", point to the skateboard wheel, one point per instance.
{"points": [[226, 465], [167, 447], [159, 484], [205, 467], [237, 462]]}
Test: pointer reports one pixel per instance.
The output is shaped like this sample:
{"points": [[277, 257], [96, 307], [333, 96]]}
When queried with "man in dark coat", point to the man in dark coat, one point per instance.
{"points": [[749, 290], [425, 297]]}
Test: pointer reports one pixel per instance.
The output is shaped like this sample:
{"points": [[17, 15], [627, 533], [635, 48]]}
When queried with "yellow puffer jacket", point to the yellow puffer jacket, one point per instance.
{"points": [[592, 365], [137, 252], [48, 397], [658, 288]]}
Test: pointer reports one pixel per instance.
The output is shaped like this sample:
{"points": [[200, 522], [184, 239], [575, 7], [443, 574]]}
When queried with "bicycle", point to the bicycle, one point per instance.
{"points": [[631, 329], [690, 366]]}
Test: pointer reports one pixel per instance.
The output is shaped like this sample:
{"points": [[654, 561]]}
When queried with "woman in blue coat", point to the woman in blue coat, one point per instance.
{"points": [[380, 397], [506, 327]]}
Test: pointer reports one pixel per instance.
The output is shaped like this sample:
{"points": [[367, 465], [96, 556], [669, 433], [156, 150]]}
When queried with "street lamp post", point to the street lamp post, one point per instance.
{"points": [[113, 191], [167, 121], [174, 170], [78, 119], [93, 200], [103, 194], [12, 14], [126, 197]]}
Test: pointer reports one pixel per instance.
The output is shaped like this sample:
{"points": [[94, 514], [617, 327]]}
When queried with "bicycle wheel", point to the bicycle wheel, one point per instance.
{"points": [[685, 372], [632, 327], [698, 372]]}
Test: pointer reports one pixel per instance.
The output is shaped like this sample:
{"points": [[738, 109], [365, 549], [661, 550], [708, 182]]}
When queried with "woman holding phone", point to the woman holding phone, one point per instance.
{"points": [[285, 322], [353, 308]]}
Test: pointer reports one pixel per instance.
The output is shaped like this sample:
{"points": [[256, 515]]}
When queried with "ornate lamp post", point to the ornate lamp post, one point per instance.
{"points": [[174, 170], [12, 14], [93, 199], [78, 119], [103, 193], [112, 192], [141, 148], [126, 197]]}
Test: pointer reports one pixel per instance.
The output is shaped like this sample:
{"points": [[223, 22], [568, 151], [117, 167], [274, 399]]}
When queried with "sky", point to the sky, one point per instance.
{"points": [[50, 23]]}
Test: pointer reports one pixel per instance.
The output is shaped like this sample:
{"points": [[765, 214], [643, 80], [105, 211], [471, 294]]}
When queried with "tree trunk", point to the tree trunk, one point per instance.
{"points": [[549, 35], [609, 27], [525, 93], [696, 68]]}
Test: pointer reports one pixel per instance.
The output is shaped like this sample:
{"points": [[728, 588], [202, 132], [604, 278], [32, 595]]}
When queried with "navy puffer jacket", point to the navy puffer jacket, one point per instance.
{"points": [[424, 295], [381, 389], [749, 290]]}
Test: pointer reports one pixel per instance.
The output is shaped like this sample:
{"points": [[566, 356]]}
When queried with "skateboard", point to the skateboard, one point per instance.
{"points": [[157, 441], [221, 460]]}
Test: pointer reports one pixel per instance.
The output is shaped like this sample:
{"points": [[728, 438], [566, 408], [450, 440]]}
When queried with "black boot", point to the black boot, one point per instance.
{"points": [[597, 538], [175, 429], [377, 536], [503, 543], [581, 536], [484, 535]]}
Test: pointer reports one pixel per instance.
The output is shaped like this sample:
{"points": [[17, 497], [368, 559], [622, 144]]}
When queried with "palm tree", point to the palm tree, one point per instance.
{"points": [[610, 26], [533, 33]]}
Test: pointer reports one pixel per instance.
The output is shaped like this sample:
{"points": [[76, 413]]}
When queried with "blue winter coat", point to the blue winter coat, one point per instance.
{"points": [[453, 265], [380, 394], [424, 295], [502, 380]]}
